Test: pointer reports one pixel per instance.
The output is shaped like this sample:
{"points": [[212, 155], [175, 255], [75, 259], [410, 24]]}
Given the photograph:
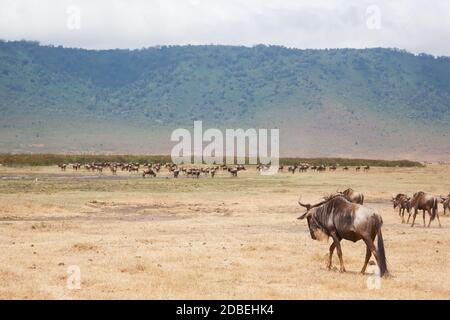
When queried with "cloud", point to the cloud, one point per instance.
{"points": [[414, 25]]}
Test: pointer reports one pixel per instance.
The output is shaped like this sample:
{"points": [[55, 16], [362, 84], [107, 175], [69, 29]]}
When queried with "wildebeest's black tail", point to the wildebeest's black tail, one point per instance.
{"points": [[434, 209], [380, 251]]}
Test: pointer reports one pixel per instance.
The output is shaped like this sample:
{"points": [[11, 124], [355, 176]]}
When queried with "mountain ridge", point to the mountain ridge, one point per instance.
{"points": [[330, 102]]}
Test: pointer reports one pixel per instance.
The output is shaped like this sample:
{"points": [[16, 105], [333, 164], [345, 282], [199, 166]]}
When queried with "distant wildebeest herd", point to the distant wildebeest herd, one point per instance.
{"points": [[304, 167], [152, 169]]}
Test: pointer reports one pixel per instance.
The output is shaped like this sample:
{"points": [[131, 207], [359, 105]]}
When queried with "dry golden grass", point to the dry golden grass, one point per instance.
{"points": [[208, 238]]}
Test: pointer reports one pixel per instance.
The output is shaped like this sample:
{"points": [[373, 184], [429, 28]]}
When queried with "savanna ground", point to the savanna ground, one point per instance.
{"points": [[227, 238]]}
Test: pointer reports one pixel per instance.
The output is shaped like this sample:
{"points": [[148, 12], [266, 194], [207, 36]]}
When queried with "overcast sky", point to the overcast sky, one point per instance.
{"points": [[414, 25]]}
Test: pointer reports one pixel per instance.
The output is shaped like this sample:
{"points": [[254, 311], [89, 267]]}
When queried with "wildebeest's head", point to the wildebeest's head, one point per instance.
{"points": [[400, 199], [315, 229]]}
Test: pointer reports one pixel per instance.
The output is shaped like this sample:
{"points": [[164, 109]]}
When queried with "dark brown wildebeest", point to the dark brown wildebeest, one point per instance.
{"points": [[366, 168], [233, 171], [213, 172], [358, 168], [292, 169], [353, 196], [193, 172], [445, 203], [62, 166], [303, 168], [403, 202], [426, 203], [133, 168], [345, 168], [149, 172], [339, 219], [321, 168], [176, 172], [333, 168]]}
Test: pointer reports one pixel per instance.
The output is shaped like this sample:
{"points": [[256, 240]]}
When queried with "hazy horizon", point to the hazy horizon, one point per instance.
{"points": [[416, 26]]}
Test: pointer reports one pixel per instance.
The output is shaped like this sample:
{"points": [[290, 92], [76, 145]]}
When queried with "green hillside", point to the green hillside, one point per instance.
{"points": [[340, 102]]}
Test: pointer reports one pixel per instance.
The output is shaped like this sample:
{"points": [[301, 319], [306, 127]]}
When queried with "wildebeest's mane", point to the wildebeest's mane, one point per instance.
{"points": [[335, 204]]}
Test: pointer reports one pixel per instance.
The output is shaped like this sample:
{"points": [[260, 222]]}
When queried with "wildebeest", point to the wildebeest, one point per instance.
{"points": [[338, 218], [366, 168], [358, 168], [353, 196], [292, 169], [133, 168], [149, 172], [63, 166], [403, 202], [426, 203], [445, 203], [233, 171]]}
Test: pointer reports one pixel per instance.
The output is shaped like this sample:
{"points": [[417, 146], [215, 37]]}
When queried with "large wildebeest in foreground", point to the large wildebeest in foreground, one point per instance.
{"points": [[352, 196], [403, 202], [338, 218], [426, 203]]}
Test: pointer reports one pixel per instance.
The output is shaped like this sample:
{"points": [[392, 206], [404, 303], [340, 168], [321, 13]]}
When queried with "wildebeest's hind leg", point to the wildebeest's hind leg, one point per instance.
{"points": [[330, 258], [370, 249], [368, 254], [409, 216], [437, 216]]}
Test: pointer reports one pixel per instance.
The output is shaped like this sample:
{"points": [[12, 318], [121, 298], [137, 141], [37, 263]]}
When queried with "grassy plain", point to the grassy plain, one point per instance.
{"points": [[221, 238]]}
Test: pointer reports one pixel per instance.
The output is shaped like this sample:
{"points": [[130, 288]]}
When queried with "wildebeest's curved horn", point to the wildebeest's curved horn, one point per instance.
{"points": [[307, 206], [303, 215]]}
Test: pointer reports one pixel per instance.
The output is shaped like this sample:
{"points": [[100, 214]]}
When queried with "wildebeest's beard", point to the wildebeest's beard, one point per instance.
{"points": [[395, 204], [315, 229]]}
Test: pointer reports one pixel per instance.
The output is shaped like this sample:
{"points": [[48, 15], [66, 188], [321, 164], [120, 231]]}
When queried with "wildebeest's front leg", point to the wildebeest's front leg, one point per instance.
{"points": [[337, 243], [330, 258], [424, 217]]}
